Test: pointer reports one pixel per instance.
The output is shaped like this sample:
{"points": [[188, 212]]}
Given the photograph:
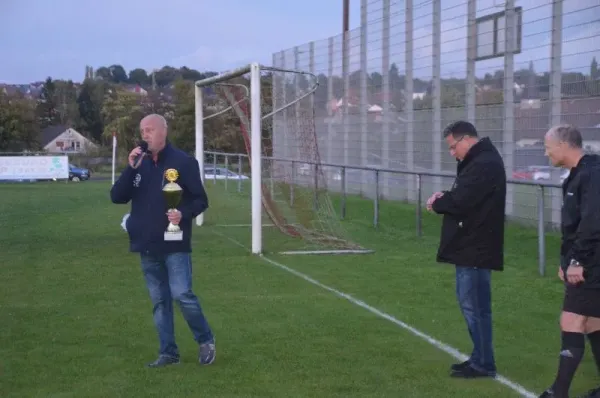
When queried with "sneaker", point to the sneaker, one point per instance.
{"points": [[547, 394], [162, 361], [457, 367], [469, 372], [207, 353]]}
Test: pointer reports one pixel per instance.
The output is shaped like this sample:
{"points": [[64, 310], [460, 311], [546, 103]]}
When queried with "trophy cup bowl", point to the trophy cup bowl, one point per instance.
{"points": [[172, 193]]}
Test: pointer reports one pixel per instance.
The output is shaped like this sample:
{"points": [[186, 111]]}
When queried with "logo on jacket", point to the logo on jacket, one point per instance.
{"points": [[137, 180]]}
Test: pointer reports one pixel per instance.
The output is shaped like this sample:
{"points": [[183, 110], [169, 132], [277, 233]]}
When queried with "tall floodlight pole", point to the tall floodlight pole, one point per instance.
{"points": [[345, 78], [346, 17]]}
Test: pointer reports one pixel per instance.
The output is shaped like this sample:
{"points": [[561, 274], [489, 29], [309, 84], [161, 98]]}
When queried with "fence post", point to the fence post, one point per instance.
{"points": [[541, 232], [226, 170], [214, 168], [293, 183], [343, 208], [376, 201], [316, 184], [419, 215], [239, 173]]}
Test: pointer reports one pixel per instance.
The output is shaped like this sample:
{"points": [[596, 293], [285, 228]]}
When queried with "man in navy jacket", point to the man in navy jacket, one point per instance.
{"points": [[166, 265]]}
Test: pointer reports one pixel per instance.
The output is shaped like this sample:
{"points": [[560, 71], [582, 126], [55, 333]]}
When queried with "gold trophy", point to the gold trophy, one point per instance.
{"points": [[172, 193]]}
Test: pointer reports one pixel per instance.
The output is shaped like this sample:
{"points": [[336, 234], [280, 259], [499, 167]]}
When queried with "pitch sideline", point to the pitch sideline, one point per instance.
{"points": [[436, 343]]}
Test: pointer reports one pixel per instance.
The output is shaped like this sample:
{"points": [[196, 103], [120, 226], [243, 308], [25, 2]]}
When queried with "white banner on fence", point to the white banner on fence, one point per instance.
{"points": [[34, 167]]}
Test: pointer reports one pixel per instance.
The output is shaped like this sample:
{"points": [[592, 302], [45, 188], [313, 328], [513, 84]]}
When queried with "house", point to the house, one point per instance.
{"points": [[532, 120], [61, 139]]}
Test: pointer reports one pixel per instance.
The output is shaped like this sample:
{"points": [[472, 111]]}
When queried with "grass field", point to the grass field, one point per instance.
{"points": [[76, 319]]}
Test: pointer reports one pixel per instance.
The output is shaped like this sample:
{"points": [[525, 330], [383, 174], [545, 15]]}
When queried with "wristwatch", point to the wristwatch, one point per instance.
{"points": [[574, 263]]}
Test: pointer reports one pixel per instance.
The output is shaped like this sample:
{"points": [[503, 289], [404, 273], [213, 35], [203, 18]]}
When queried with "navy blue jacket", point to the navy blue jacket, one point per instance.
{"points": [[143, 187]]}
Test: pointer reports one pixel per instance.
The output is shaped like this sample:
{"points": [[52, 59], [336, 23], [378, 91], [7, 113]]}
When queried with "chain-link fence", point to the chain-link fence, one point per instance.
{"points": [[414, 66]]}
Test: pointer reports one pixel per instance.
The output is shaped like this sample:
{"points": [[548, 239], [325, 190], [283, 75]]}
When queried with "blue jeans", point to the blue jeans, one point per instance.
{"points": [[169, 277], [474, 293]]}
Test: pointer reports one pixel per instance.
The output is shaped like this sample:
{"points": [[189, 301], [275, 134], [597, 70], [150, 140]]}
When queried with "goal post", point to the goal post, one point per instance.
{"points": [[255, 155], [299, 209]]}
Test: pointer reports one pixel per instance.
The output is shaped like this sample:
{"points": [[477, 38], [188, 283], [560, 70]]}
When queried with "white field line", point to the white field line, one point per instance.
{"points": [[459, 356]]}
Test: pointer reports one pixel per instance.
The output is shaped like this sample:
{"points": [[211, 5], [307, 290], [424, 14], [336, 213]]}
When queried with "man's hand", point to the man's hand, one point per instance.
{"points": [[432, 199], [575, 274], [174, 217], [561, 274], [133, 155]]}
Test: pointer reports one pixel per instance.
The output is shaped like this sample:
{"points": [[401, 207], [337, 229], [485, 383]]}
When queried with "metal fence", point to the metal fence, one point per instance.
{"points": [[388, 88], [227, 167]]}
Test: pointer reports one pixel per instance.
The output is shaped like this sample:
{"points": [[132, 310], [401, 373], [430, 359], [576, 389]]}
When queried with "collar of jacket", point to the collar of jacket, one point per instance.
{"points": [[163, 153], [587, 160], [483, 145]]}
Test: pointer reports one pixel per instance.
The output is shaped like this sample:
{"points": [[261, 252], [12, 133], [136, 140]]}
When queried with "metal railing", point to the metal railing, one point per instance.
{"points": [[540, 185]]}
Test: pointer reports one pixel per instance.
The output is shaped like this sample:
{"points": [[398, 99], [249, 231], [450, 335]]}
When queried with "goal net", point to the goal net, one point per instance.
{"points": [[272, 186]]}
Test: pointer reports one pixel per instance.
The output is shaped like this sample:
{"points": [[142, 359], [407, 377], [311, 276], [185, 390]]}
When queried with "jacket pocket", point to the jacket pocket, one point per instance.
{"points": [[133, 227]]}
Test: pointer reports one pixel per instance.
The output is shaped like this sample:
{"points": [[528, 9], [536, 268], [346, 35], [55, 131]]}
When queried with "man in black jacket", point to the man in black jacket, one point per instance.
{"points": [[580, 255], [472, 237], [166, 263]]}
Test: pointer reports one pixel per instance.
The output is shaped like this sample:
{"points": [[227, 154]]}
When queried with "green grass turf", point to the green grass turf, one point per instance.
{"points": [[76, 320]]}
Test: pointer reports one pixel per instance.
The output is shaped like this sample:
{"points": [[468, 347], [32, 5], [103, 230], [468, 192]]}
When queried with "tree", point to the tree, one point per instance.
{"points": [[89, 105], [121, 113], [66, 102], [182, 128], [19, 128], [139, 76], [47, 107]]}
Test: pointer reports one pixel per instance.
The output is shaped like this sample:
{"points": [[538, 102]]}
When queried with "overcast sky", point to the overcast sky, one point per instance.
{"points": [[40, 38]]}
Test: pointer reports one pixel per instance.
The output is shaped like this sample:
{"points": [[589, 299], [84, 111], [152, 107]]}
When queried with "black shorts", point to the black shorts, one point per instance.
{"points": [[582, 301]]}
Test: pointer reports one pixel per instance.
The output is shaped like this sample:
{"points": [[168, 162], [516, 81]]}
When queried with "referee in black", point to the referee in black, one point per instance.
{"points": [[580, 255]]}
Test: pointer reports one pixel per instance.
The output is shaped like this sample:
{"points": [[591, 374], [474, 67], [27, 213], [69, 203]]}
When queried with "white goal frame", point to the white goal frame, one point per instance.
{"points": [[255, 141], [255, 99]]}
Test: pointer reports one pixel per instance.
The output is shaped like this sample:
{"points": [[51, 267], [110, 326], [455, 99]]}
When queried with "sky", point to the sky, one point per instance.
{"points": [[57, 38]]}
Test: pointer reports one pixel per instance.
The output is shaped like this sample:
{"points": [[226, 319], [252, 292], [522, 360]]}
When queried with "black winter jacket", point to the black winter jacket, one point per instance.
{"points": [[580, 223], [143, 187], [473, 224]]}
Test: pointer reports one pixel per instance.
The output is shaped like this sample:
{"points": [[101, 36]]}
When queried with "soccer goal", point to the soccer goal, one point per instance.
{"points": [[285, 202]]}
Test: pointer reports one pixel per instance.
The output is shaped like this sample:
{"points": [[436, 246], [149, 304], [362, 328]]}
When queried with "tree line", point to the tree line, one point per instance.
{"points": [[110, 99]]}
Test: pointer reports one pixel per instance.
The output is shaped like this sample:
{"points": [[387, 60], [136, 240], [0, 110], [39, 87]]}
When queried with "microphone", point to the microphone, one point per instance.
{"points": [[144, 147]]}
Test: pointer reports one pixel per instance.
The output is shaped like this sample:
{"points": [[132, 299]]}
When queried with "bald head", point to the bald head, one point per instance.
{"points": [[153, 129], [564, 145]]}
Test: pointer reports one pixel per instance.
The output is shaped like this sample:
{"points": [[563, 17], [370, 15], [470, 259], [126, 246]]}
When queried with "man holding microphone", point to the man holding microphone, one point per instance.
{"points": [[165, 250]]}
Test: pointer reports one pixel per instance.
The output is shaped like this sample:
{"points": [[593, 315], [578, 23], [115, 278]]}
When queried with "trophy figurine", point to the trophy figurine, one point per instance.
{"points": [[172, 193]]}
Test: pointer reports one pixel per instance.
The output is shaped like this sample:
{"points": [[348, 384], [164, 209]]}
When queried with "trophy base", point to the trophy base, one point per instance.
{"points": [[173, 236]]}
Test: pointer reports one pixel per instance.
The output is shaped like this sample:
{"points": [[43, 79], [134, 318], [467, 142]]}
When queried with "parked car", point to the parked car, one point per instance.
{"points": [[221, 173], [77, 174], [541, 173]]}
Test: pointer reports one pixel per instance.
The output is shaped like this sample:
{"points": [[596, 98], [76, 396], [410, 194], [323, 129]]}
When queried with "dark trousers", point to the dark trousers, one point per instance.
{"points": [[473, 291]]}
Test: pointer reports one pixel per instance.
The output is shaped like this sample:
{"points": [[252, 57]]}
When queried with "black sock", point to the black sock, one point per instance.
{"points": [[573, 346], [594, 339]]}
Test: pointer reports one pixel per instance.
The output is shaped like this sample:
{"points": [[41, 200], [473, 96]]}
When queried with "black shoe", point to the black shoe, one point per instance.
{"points": [[162, 361], [547, 394], [457, 367], [469, 372]]}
